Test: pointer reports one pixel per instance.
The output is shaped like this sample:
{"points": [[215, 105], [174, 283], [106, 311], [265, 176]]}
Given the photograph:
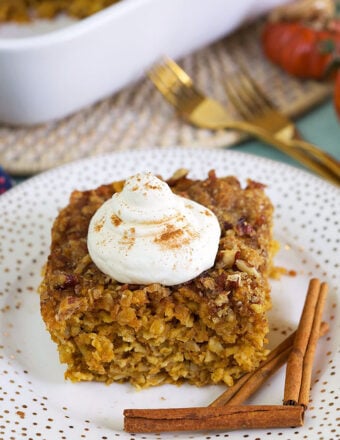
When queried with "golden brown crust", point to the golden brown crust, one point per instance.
{"points": [[26, 10], [209, 330]]}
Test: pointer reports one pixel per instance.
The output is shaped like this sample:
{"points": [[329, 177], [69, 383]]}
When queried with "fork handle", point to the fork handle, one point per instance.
{"points": [[286, 147], [320, 155]]}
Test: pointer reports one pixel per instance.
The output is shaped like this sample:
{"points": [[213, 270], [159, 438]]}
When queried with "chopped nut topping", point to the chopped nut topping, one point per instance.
{"points": [[243, 266]]}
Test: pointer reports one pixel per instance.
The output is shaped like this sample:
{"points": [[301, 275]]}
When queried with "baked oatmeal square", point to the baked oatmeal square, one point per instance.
{"points": [[208, 330]]}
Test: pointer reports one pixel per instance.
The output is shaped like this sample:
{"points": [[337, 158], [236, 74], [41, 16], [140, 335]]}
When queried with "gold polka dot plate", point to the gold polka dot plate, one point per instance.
{"points": [[35, 400]]}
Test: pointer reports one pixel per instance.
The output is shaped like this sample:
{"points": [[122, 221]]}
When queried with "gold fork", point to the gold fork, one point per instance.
{"points": [[256, 107], [178, 89]]}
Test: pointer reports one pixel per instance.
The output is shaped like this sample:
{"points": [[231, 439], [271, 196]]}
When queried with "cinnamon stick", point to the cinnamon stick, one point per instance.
{"points": [[300, 361], [300, 350], [212, 418], [251, 382]]}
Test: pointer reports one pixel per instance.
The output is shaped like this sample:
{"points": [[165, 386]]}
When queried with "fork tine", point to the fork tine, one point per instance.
{"points": [[175, 85], [164, 81], [246, 96], [180, 73], [260, 108], [263, 100], [236, 96], [159, 84]]}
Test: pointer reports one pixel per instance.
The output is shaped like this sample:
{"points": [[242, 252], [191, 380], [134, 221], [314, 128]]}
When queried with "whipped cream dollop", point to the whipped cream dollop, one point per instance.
{"points": [[146, 234]]}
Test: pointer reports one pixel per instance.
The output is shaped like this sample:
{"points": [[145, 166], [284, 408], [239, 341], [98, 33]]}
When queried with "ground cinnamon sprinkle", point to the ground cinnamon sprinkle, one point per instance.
{"points": [[116, 221], [99, 225], [170, 234], [128, 238]]}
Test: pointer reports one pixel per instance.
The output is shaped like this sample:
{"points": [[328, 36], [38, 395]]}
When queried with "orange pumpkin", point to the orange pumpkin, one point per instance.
{"points": [[304, 51], [337, 94], [300, 49]]}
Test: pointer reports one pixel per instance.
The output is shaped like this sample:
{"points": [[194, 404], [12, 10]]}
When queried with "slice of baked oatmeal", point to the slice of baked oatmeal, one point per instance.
{"points": [[211, 329]]}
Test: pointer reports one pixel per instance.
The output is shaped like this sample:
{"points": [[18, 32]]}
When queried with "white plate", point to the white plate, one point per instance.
{"points": [[52, 69], [35, 400]]}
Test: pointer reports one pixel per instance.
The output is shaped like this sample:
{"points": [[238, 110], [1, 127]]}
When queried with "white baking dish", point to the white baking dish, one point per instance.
{"points": [[46, 76]]}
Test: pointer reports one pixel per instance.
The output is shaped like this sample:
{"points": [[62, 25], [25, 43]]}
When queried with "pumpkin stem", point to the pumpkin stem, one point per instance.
{"points": [[327, 46], [333, 66]]}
